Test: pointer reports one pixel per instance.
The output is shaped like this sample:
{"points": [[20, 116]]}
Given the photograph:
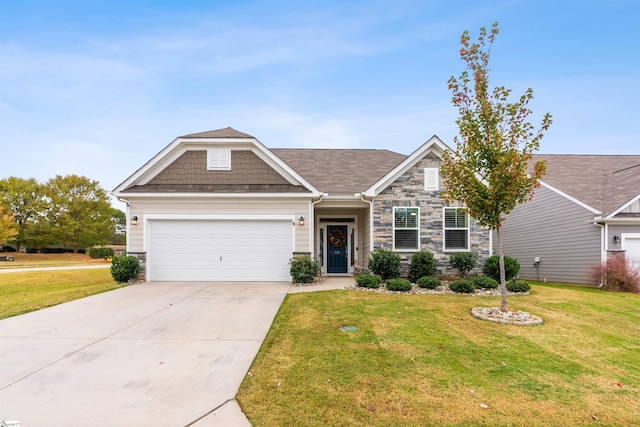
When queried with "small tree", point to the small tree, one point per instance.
{"points": [[8, 227], [488, 171]]}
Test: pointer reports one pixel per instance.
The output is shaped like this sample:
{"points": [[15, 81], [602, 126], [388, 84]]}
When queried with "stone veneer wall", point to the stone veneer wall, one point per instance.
{"points": [[142, 259], [408, 191]]}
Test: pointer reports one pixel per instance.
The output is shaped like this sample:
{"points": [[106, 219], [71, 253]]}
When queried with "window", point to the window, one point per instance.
{"points": [[406, 228], [431, 178], [219, 159], [456, 229]]}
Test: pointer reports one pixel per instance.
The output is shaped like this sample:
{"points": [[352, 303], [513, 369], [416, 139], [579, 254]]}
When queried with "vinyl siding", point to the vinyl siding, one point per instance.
{"points": [[295, 208], [618, 230], [558, 231]]}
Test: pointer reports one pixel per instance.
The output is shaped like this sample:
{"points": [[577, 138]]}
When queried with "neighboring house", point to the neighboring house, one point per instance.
{"points": [[220, 205], [586, 210]]}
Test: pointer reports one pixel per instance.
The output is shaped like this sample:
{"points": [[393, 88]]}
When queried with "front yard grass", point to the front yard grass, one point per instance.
{"points": [[33, 290], [422, 360], [23, 260]]}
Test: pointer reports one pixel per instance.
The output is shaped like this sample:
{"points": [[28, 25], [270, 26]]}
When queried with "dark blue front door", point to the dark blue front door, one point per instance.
{"points": [[337, 254]]}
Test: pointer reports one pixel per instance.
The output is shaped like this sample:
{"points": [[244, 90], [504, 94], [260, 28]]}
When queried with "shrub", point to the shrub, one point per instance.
{"points": [[618, 274], [462, 286], [464, 262], [303, 269], [484, 282], [428, 282], [8, 248], [124, 268], [385, 263], [492, 268], [518, 286], [368, 281], [101, 252], [54, 250], [420, 265], [31, 250], [402, 285]]}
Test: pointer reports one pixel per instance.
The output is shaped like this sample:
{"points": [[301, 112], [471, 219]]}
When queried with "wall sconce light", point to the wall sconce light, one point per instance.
{"points": [[616, 239], [301, 221], [134, 220]]}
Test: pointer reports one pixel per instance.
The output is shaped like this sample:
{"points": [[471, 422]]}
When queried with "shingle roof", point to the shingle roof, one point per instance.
{"points": [[227, 132], [604, 182], [340, 171]]}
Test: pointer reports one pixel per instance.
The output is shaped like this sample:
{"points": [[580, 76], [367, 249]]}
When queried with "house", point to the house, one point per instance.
{"points": [[586, 210], [221, 206]]}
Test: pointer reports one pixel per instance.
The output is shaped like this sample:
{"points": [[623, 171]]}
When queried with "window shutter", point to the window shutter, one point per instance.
{"points": [[219, 159], [431, 178]]}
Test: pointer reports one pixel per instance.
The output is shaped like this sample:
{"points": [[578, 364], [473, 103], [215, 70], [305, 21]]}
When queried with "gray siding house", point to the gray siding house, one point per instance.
{"points": [[221, 206], [586, 210]]}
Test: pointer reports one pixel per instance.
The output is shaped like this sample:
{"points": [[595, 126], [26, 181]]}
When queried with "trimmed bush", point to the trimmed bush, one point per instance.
{"points": [[303, 269], [371, 281], [518, 286], [484, 282], [124, 268], [421, 264], [8, 248], [31, 250], [402, 285], [464, 262], [492, 268], [462, 286], [385, 264], [54, 250], [101, 252], [428, 282]]}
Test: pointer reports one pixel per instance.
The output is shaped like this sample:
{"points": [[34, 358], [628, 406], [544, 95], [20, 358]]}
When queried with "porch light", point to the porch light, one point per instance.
{"points": [[616, 239], [134, 220], [301, 221]]}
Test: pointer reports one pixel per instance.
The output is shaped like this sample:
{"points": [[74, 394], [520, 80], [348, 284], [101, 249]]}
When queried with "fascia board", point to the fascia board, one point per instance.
{"points": [[568, 197], [434, 144], [133, 196], [624, 206]]}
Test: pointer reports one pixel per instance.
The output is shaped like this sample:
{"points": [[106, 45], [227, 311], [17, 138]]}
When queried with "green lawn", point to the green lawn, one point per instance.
{"points": [[29, 291], [421, 360]]}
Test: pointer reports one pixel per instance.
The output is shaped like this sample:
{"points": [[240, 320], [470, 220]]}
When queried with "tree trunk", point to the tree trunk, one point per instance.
{"points": [[503, 282]]}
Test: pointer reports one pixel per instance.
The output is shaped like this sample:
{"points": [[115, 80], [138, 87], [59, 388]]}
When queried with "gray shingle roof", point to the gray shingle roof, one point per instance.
{"points": [[604, 182], [340, 171], [227, 132]]}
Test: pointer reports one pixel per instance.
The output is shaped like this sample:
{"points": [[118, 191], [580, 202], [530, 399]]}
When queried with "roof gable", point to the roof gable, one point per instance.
{"points": [[228, 137], [433, 145], [606, 183]]}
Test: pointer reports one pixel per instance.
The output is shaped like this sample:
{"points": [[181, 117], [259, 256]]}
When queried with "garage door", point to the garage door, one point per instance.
{"points": [[632, 248], [219, 250]]}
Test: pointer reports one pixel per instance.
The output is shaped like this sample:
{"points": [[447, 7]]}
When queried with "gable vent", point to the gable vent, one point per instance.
{"points": [[219, 159], [431, 178]]}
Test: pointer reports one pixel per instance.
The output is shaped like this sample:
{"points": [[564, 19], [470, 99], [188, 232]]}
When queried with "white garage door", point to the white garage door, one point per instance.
{"points": [[632, 248], [219, 250]]}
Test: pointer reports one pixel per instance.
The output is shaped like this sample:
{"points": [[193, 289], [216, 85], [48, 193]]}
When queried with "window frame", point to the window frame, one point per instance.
{"points": [[445, 229], [416, 228]]}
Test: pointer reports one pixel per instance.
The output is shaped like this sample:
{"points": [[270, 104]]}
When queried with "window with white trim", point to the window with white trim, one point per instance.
{"points": [[456, 229], [219, 159], [406, 228], [431, 176]]}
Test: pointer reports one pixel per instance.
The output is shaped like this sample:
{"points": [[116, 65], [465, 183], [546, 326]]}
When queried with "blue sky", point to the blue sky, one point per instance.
{"points": [[96, 88]]}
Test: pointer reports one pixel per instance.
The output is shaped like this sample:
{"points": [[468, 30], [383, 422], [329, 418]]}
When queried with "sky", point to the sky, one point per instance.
{"points": [[97, 88]]}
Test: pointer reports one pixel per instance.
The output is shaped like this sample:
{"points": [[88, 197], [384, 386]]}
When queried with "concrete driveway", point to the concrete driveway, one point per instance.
{"points": [[156, 354]]}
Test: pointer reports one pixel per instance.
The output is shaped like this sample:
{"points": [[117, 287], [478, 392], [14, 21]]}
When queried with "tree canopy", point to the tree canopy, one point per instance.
{"points": [[489, 171], [24, 199]]}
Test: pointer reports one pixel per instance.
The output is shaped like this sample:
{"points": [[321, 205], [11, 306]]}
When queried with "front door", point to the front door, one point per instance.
{"points": [[337, 252]]}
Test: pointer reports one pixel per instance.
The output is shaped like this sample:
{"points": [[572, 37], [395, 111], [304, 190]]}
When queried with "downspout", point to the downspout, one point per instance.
{"points": [[128, 225], [603, 249], [370, 202], [312, 226]]}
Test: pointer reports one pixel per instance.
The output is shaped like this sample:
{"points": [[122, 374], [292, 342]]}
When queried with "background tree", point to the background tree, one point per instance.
{"points": [[119, 227], [8, 227], [78, 212], [24, 199], [489, 171]]}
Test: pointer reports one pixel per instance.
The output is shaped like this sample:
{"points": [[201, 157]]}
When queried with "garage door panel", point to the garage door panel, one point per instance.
{"points": [[219, 250]]}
